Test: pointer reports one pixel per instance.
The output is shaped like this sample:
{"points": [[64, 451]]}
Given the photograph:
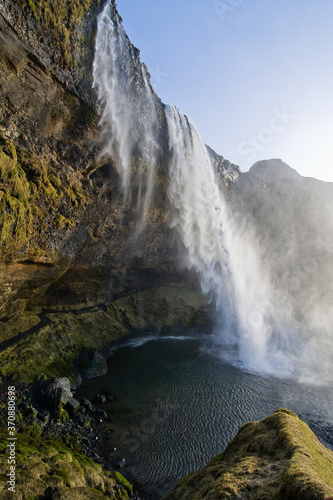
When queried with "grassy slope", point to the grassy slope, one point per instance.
{"points": [[278, 458], [48, 461], [68, 334]]}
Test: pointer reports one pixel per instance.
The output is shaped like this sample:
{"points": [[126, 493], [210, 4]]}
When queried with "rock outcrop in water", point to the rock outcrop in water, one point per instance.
{"points": [[278, 458]]}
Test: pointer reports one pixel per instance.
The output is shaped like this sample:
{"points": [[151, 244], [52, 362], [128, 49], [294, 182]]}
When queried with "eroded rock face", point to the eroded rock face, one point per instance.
{"points": [[59, 202], [68, 240], [276, 458]]}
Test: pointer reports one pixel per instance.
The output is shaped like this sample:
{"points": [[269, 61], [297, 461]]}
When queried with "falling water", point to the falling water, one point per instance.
{"points": [[198, 210], [221, 254], [128, 108], [258, 321], [257, 316]]}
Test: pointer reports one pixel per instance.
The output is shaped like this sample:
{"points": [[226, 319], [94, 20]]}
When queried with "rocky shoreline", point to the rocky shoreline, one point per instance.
{"points": [[49, 415], [48, 409], [77, 271]]}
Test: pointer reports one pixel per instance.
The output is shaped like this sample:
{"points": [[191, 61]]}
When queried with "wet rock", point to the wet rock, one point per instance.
{"points": [[85, 402], [87, 405], [52, 392], [51, 493], [30, 411], [100, 414], [99, 399], [122, 463], [84, 420], [75, 383], [117, 460], [72, 404], [91, 364], [44, 417]]}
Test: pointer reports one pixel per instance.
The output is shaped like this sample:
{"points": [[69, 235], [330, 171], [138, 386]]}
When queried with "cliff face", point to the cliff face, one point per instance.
{"points": [[47, 142], [75, 233], [276, 458], [67, 237]]}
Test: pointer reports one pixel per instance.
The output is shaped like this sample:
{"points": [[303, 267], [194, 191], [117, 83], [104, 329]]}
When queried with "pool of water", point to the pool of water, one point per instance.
{"points": [[177, 406]]}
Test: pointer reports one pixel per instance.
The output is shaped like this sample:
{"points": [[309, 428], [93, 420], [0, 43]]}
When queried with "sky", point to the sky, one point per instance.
{"points": [[255, 76]]}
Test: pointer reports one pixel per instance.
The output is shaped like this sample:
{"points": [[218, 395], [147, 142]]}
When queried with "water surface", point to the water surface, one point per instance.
{"points": [[177, 406]]}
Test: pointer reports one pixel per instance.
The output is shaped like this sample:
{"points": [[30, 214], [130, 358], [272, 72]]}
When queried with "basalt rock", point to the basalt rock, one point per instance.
{"points": [[91, 364], [53, 392]]}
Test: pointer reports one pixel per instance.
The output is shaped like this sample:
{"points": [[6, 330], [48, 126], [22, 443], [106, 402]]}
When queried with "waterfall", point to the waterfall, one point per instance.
{"points": [[128, 109], [222, 254], [199, 212], [258, 323], [257, 313]]}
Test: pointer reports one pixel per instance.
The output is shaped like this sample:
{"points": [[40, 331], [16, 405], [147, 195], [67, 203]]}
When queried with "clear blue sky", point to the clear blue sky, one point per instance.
{"points": [[256, 77]]}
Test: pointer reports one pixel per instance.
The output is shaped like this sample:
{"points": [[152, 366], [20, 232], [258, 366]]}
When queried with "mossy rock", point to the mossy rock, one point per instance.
{"points": [[69, 334], [32, 196], [278, 458], [50, 462], [91, 364]]}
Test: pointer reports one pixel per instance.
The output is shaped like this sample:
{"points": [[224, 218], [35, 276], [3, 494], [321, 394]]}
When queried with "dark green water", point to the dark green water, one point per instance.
{"points": [[177, 406]]}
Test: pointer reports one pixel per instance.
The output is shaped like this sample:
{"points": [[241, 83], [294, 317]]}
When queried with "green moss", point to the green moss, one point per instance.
{"points": [[31, 196], [62, 416], [63, 476], [59, 19], [60, 221], [69, 334], [32, 6], [278, 458], [44, 461], [123, 482]]}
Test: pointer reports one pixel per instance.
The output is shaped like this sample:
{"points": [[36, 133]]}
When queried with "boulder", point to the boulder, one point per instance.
{"points": [[91, 364], [72, 404], [52, 392], [99, 399], [87, 405]]}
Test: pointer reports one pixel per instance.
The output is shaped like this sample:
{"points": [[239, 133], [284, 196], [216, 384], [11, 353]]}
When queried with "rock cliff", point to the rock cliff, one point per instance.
{"points": [[76, 274], [67, 238]]}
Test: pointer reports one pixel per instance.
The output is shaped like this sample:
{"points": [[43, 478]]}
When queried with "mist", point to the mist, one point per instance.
{"points": [[281, 234], [260, 242]]}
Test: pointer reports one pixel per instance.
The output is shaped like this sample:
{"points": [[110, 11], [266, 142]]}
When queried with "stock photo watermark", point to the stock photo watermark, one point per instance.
{"points": [[278, 123], [157, 75], [225, 7], [11, 446]]}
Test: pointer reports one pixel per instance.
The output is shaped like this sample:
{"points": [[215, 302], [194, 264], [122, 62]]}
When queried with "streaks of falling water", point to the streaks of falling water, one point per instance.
{"points": [[128, 109], [255, 320]]}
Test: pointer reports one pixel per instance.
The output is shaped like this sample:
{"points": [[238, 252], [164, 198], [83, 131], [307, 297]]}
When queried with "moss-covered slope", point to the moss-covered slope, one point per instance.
{"points": [[278, 458], [48, 462], [65, 333]]}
